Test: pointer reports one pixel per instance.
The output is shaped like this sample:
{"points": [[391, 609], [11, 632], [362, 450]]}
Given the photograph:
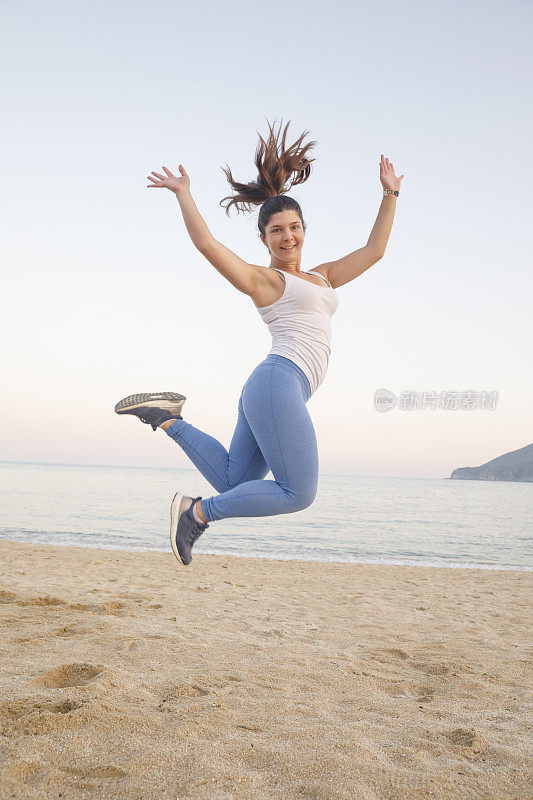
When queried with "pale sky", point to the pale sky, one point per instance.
{"points": [[105, 295]]}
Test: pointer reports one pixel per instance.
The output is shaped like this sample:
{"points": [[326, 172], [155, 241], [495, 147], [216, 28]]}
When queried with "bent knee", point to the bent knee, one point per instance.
{"points": [[303, 499]]}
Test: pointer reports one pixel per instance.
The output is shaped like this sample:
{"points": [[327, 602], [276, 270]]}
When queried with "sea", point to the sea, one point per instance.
{"points": [[430, 522]]}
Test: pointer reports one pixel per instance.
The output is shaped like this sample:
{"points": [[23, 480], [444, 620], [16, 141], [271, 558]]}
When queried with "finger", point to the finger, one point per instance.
{"points": [[149, 177], [169, 173], [158, 175]]}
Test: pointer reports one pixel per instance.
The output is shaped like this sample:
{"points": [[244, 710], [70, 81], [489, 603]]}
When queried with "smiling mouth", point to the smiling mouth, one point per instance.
{"points": [[289, 248]]}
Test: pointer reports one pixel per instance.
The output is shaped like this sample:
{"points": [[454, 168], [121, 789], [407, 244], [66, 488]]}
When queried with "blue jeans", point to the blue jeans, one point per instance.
{"points": [[274, 432]]}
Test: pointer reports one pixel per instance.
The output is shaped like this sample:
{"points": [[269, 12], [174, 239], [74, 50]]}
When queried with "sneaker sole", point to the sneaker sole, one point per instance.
{"points": [[180, 503], [169, 401]]}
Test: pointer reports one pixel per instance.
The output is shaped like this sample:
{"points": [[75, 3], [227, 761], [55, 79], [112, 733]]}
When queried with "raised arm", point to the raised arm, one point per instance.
{"points": [[245, 277], [354, 264]]}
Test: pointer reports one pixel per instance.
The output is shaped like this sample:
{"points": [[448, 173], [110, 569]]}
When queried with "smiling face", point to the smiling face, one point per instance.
{"points": [[284, 237]]}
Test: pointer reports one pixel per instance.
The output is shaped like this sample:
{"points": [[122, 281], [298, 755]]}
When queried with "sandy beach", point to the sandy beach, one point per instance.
{"points": [[126, 675]]}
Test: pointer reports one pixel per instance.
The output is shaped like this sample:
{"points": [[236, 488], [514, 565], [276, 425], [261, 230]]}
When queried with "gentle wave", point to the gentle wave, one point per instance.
{"points": [[354, 519]]}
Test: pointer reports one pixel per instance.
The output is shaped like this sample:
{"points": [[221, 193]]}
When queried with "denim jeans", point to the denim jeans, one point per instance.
{"points": [[274, 432]]}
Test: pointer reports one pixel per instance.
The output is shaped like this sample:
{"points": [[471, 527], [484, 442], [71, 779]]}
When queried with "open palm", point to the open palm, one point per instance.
{"points": [[175, 183], [387, 176]]}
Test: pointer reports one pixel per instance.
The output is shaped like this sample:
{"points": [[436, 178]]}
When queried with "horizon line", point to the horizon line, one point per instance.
{"points": [[129, 466]]}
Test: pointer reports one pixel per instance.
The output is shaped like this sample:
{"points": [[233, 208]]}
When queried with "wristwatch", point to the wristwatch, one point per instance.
{"points": [[386, 192]]}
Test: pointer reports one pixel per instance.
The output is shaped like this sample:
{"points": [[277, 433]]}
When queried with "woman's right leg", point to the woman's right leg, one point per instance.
{"points": [[274, 402], [224, 470]]}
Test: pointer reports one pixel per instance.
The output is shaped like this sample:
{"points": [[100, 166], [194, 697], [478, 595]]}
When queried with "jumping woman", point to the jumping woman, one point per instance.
{"points": [[274, 430]]}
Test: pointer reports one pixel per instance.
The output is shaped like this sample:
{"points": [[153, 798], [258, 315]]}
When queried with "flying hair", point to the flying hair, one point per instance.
{"points": [[279, 168]]}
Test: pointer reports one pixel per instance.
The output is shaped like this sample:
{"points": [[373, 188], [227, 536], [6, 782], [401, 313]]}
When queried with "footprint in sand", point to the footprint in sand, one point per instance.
{"points": [[114, 607], [66, 706], [70, 630], [472, 745], [25, 772], [427, 667], [8, 597], [176, 693], [268, 634], [383, 654], [397, 653], [419, 692], [69, 675], [82, 607], [43, 601], [96, 772], [136, 598], [65, 631], [33, 717], [433, 669]]}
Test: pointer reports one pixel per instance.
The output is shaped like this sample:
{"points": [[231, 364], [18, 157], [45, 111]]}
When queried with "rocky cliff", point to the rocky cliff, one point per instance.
{"points": [[514, 466]]}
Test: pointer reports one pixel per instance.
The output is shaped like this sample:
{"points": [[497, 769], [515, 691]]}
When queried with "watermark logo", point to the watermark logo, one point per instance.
{"points": [[448, 400], [384, 400]]}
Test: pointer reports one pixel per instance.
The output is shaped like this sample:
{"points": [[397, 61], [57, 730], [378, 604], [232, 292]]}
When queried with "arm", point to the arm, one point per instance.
{"points": [[351, 266], [379, 235], [245, 277], [354, 264], [238, 272]]}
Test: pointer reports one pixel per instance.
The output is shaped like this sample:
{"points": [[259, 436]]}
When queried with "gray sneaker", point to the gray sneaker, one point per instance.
{"points": [[152, 409], [184, 529]]}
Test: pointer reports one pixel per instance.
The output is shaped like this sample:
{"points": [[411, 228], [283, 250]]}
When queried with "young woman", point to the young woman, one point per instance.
{"points": [[274, 430]]}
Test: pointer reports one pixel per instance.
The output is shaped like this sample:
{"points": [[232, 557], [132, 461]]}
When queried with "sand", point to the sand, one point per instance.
{"points": [[126, 675]]}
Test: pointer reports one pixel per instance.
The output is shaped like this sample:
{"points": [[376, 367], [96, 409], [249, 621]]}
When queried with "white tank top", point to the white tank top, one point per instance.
{"points": [[300, 324]]}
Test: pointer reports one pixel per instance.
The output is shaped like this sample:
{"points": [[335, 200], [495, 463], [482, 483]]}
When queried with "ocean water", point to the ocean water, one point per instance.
{"points": [[373, 520]]}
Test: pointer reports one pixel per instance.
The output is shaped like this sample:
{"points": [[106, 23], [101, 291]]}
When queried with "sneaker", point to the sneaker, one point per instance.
{"points": [[184, 529], [152, 409]]}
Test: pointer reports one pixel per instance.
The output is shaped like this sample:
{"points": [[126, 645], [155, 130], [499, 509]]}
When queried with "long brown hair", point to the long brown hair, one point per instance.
{"points": [[275, 164]]}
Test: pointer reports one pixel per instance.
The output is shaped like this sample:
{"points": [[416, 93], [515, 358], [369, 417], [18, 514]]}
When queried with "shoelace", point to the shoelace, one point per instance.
{"points": [[192, 535], [195, 530]]}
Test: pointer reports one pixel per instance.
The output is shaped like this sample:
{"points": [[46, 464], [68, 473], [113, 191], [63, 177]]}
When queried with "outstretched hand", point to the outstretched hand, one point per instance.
{"points": [[175, 183], [387, 175]]}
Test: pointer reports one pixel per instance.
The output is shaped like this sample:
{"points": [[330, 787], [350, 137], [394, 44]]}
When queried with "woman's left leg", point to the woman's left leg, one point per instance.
{"points": [[222, 468]]}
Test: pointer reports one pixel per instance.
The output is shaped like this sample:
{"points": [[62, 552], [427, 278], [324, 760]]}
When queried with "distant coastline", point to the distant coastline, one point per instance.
{"points": [[514, 466]]}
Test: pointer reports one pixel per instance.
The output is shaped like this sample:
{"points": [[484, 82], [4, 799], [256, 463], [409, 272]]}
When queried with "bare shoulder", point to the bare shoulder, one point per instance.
{"points": [[322, 269], [269, 286], [265, 272]]}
